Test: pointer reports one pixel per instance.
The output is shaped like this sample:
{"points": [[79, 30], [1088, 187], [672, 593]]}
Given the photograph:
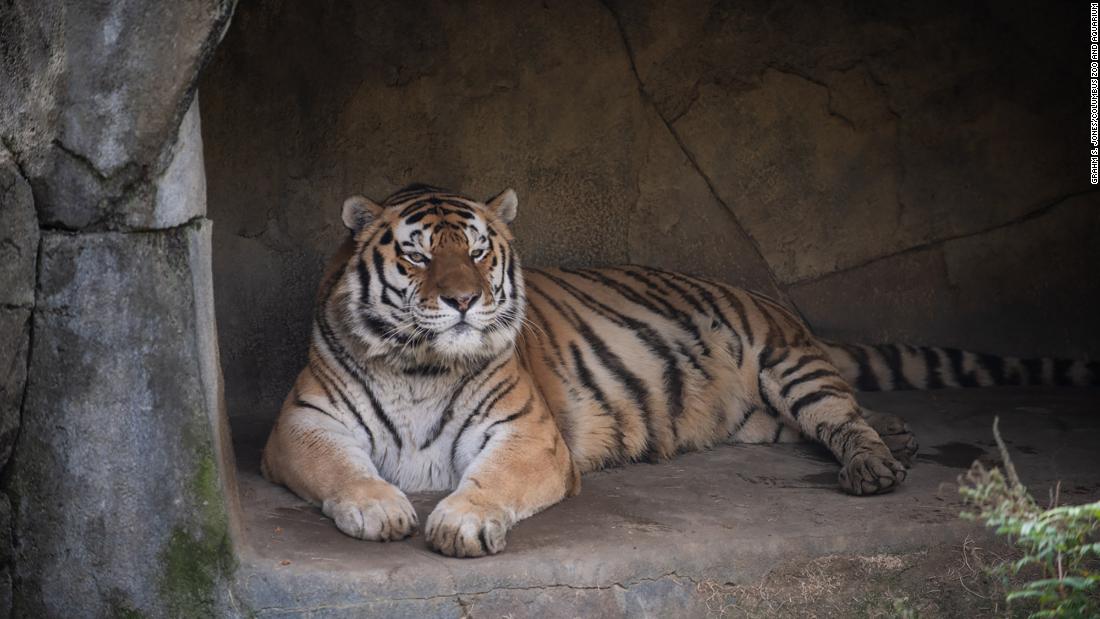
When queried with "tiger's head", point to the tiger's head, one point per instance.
{"points": [[433, 276]]}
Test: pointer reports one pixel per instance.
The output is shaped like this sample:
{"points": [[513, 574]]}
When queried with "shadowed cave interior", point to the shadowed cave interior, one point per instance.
{"points": [[894, 173]]}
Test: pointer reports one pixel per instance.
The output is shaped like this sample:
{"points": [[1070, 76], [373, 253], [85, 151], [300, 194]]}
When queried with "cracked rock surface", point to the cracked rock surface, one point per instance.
{"points": [[98, 94], [893, 171]]}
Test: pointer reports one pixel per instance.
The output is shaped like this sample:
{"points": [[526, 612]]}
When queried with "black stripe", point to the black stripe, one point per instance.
{"points": [[716, 311], [413, 219], [465, 214], [348, 363], [611, 362], [303, 404], [498, 391], [413, 207], [932, 361], [690, 356], [995, 366], [700, 286], [589, 382], [455, 202], [448, 410], [549, 332], [364, 281], [416, 217], [670, 311], [343, 397], [381, 413], [802, 362], [626, 291], [379, 270], [965, 379], [526, 408], [778, 430], [673, 377], [685, 295], [428, 369], [744, 421], [851, 439], [775, 337], [320, 381], [510, 270], [767, 361], [379, 327], [809, 399], [733, 345], [794, 321], [806, 378], [892, 356], [829, 440], [769, 407], [866, 380], [739, 309]]}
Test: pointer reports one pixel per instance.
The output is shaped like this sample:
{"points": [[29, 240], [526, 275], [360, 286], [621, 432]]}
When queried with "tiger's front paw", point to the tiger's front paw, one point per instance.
{"points": [[372, 510], [459, 528], [871, 473]]}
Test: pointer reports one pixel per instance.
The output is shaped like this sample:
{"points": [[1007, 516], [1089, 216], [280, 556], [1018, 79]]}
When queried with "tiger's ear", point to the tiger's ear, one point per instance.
{"points": [[358, 212], [504, 205]]}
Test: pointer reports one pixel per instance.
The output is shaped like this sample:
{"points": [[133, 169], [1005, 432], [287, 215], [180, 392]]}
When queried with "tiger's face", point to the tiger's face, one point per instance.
{"points": [[434, 276]]}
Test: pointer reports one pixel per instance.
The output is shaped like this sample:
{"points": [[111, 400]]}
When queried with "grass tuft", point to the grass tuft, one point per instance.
{"points": [[1059, 544]]}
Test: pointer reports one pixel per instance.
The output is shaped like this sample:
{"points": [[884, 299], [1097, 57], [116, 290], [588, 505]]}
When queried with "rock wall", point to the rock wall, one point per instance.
{"points": [[18, 256], [118, 487], [910, 172]]}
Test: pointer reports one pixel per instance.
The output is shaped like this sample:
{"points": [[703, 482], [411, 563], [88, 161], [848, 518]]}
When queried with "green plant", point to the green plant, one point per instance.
{"points": [[1059, 543]]}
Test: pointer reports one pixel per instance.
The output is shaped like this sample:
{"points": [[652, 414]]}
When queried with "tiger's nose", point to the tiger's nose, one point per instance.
{"points": [[461, 302]]}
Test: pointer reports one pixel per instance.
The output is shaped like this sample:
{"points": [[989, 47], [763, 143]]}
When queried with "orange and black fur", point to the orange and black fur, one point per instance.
{"points": [[438, 363]]}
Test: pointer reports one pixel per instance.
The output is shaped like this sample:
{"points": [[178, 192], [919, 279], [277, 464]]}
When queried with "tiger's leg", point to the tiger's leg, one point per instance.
{"points": [[514, 464], [323, 461], [812, 396]]}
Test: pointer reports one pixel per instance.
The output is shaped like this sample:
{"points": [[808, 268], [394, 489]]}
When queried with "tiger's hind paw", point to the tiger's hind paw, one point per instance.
{"points": [[893, 431], [871, 473]]}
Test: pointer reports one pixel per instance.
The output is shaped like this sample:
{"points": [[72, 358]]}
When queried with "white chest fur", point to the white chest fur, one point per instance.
{"points": [[426, 416]]}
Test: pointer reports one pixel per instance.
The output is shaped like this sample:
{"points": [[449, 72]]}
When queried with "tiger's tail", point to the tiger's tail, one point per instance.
{"points": [[895, 367]]}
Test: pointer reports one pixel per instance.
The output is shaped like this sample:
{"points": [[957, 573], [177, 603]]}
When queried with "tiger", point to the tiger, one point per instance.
{"points": [[438, 363]]}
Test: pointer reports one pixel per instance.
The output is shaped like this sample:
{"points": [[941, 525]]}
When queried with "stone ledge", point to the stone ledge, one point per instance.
{"points": [[676, 538]]}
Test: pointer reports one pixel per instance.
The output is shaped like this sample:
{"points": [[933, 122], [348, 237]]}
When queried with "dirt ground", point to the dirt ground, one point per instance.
{"points": [[947, 582]]}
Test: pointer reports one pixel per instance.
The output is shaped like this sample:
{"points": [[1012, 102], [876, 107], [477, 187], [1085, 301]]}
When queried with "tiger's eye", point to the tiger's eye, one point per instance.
{"points": [[416, 258], [477, 254]]}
